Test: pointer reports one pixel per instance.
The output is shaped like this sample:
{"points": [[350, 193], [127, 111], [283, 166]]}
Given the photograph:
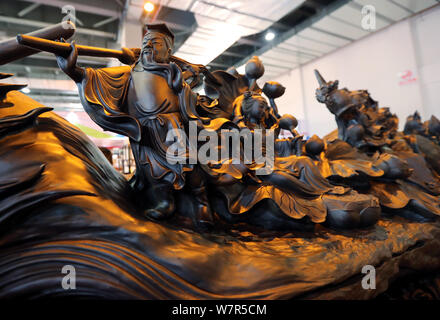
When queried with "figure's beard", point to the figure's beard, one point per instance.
{"points": [[148, 57], [151, 56]]}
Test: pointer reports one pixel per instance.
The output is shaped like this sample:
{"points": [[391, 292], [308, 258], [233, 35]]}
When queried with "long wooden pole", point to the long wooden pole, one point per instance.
{"points": [[64, 49], [11, 51]]}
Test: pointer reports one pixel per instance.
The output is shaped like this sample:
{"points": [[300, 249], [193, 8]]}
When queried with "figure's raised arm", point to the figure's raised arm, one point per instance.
{"points": [[67, 54], [68, 64]]}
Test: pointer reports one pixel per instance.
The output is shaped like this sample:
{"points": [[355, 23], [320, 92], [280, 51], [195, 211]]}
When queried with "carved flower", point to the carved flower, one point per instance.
{"points": [[254, 68], [288, 122], [273, 89], [315, 145]]}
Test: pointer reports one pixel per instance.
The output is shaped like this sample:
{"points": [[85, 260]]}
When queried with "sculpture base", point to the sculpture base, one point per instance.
{"points": [[147, 260], [63, 204]]}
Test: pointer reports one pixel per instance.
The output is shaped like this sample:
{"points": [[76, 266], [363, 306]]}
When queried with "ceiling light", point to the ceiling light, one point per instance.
{"points": [[269, 36], [148, 7], [72, 118]]}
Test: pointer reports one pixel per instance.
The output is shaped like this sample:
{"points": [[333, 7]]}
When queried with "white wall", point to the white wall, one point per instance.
{"points": [[133, 34], [426, 29], [374, 63]]}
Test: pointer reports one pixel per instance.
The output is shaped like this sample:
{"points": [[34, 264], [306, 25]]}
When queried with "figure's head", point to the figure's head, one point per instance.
{"points": [[434, 126], [325, 88], [254, 106], [157, 44], [414, 124]]}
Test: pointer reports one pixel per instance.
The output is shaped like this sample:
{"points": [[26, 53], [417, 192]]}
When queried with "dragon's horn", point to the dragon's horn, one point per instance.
{"points": [[320, 79]]}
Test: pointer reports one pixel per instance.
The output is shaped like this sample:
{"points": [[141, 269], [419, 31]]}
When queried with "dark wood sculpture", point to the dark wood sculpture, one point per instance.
{"points": [[125, 55], [62, 203], [296, 181], [369, 145], [429, 129], [424, 138], [148, 99]]}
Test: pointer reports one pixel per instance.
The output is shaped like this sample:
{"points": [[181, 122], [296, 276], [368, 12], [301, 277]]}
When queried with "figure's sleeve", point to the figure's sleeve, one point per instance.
{"points": [[103, 94], [193, 109]]}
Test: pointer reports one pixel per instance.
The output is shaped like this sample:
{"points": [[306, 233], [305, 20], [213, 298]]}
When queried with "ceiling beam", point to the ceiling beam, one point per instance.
{"points": [[248, 42], [218, 65], [287, 35], [39, 24], [28, 9], [104, 22], [78, 22], [101, 8], [378, 14], [402, 7], [218, 6], [233, 54], [336, 35], [120, 3]]}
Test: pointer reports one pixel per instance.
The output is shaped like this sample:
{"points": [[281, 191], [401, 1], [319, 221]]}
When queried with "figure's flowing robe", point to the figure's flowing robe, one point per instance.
{"points": [[343, 163]]}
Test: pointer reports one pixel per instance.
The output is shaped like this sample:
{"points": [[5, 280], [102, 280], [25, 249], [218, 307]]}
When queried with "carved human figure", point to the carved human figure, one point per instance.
{"points": [[252, 111], [429, 129], [296, 180], [144, 102]]}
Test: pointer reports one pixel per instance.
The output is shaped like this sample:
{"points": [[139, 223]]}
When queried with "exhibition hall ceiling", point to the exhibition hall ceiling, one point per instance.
{"points": [[222, 23], [334, 30], [218, 33], [336, 26]]}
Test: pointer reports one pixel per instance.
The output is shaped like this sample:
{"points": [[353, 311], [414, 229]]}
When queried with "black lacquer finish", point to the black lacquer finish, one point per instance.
{"points": [[206, 231]]}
